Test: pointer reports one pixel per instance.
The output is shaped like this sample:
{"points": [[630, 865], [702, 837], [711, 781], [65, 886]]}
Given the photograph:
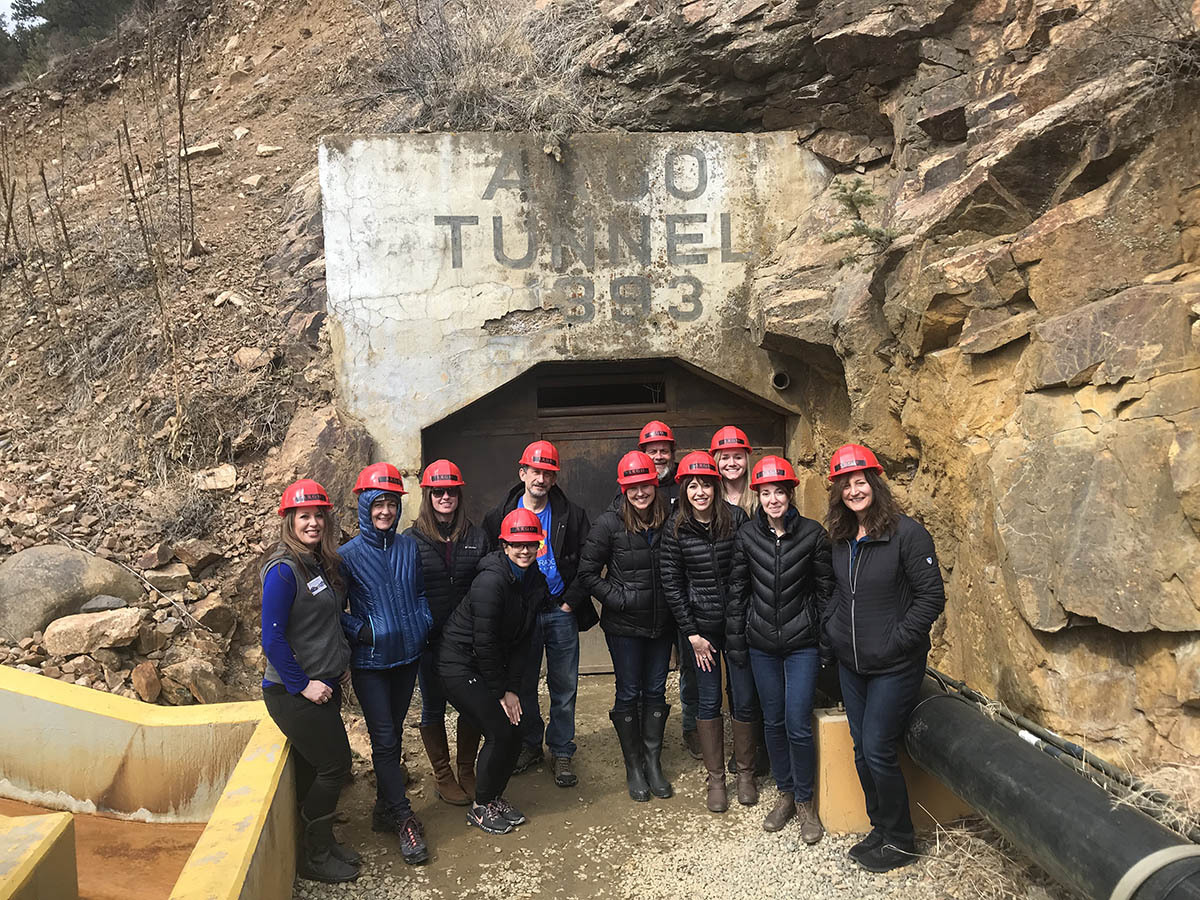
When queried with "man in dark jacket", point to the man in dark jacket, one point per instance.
{"points": [[567, 611], [657, 441]]}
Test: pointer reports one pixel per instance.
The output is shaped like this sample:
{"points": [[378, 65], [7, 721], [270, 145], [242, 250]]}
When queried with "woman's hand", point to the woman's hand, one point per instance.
{"points": [[317, 692], [704, 652], [512, 706]]}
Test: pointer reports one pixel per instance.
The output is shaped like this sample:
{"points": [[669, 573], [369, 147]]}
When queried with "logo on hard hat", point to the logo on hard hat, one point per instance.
{"points": [[301, 497], [443, 478], [524, 529], [642, 471]]}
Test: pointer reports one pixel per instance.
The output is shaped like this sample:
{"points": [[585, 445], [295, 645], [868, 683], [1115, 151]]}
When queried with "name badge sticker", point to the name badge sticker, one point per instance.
{"points": [[317, 585]]}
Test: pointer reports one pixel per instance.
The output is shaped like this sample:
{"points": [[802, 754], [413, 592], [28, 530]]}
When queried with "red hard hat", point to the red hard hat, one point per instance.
{"points": [[636, 467], [773, 470], [304, 492], [655, 431], [521, 527], [441, 473], [541, 455], [697, 463], [730, 438], [852, 458], [381, 477]]}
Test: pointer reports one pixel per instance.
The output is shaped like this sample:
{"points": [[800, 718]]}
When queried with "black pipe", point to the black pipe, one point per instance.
{"points": [[1066, 824]]}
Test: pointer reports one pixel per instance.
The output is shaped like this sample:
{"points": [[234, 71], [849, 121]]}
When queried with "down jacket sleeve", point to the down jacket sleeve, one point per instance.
{"points": [[735, 613], [487, 608], [823, 584], [674, 580], [596, 554], [924, 575]]}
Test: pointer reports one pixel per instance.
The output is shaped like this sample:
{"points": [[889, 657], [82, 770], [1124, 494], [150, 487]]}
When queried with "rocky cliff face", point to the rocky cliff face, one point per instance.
{"points": [[1019, 338]]}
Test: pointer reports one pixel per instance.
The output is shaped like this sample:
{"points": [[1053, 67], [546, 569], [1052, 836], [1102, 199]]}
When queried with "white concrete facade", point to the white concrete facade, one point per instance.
{"points": [[455, 262]]}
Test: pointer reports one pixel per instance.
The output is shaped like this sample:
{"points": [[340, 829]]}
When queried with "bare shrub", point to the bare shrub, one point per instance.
{"points": [[490, 65], [179, 510]]}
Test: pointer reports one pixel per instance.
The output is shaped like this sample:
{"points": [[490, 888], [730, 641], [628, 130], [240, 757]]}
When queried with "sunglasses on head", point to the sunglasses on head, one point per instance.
{"points": [[443, 492]]}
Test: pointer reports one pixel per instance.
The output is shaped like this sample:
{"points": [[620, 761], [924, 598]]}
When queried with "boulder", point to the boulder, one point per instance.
{"points": [[160, 554], [150, 638], [324, 445], [101, 602], [146, 681], [198, 554], [171, 577], [215, 615], [86, 632], [44, 583], [199, 677], [220, 478]]}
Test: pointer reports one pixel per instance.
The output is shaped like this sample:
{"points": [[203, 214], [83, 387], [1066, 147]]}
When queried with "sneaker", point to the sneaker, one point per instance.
{"points": [[870, 842], [511, 814], [886, 857], [527, 758], [563, 776], [412, 841], [489, 818]]}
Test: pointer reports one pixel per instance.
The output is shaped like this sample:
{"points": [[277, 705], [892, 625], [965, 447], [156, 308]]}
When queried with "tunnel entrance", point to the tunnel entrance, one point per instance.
{"points": [[593, 412]]}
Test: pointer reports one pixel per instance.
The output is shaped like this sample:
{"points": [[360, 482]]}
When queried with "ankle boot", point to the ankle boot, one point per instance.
{"points": [[811, 829], [654, 723], [318, 862], [744, 740], [629, 734], [712, 746], [784, 809], [437, 748], [465, 753]]}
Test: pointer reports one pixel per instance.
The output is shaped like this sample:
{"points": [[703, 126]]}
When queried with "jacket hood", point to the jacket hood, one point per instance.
{"points": [[366, 527]]}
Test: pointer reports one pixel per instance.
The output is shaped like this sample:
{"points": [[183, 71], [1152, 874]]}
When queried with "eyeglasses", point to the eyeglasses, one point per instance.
{"points": [[443, 492]]}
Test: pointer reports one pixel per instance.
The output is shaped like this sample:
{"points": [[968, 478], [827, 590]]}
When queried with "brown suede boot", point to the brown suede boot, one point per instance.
{"points": [[712, 746], [745, 739], [785, 808], [466, 751], [437, 748], [811, 829]]}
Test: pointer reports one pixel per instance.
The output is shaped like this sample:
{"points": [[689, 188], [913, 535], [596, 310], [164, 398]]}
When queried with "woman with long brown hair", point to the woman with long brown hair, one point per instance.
{"points": [[887, 594], [625, 539], [696, 562], [308, 658], [451, 548]]}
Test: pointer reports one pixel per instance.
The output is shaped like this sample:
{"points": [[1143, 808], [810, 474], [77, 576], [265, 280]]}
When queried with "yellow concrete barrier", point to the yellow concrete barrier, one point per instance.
{"points": [[37, 858], [839, 796]]}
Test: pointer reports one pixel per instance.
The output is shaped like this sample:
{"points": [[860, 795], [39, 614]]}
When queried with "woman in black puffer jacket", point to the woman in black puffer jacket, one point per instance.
{"points": [[783, 579], [696, 562], [450, 547], [637, 624]]}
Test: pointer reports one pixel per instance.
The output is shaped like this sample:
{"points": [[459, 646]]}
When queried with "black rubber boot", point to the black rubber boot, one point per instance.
{"points": [[629, 734], [654, 723], [317, 862]]}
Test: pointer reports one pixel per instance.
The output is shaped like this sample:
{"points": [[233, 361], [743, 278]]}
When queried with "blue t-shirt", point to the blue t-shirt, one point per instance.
{"points": [[545, 554]]}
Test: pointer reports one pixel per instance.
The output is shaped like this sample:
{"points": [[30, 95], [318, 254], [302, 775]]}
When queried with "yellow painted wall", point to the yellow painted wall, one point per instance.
{"points": [[840, 799], [37, 858]]}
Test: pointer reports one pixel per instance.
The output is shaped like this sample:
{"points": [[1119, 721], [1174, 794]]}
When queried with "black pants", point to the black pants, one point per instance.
{"points": [[318, 737], [501, 738]]}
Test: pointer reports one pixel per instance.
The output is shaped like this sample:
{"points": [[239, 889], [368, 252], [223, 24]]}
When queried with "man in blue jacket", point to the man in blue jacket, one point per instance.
{"points": [[387, 625]]}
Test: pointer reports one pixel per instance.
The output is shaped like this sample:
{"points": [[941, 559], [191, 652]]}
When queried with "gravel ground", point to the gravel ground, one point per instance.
{"points": [[593, 841]]}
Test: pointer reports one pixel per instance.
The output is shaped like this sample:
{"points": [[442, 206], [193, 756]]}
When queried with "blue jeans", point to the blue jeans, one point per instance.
{"points": [[557, 633], [384, 695], [689, 699], [878, 707], [786, 685], [640, 667], [741, 695], [433, 695]]}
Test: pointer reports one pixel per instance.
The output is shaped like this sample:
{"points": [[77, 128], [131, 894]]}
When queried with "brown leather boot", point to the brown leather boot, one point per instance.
{"points": [[811, 829], [466, 751], [437, 748], [785, 808], [712, 747], [745, 739]]}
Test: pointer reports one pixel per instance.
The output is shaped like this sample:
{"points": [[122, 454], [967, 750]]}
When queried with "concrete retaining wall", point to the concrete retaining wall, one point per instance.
{"points": [[37, 858]]}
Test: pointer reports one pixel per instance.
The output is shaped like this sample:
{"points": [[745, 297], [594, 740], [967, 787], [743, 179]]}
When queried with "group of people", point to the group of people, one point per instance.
{"points": [[710, 557]]}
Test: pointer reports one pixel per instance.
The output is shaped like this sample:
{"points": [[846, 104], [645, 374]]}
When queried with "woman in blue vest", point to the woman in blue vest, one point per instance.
{"points": [[388, 625]]}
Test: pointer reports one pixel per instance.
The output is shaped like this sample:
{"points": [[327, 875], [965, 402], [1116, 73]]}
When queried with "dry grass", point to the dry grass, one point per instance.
{"points": [[970, 860], [1179, 782]]}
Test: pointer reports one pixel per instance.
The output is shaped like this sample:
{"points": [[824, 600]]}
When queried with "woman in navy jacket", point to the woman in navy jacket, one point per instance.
{"points": [[887, 594], [388, 625]]}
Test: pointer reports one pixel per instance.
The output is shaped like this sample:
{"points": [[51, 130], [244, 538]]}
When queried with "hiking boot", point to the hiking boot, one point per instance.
{"points": [[512, 815], [629, 733], [437, 748], [412, 841], [712, 743], [317, 861], [784, 809], [887, 856], [811, 829], [692, 742], [489, 817], [743, 752], [654, 724], [563, 776], [527, 758], [870, 842]]}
